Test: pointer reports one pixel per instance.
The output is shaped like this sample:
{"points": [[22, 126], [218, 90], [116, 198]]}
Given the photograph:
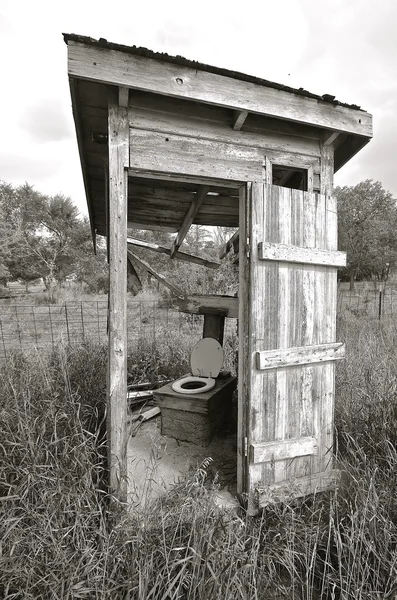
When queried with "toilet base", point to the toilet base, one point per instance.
{"points": [[197, 417]]}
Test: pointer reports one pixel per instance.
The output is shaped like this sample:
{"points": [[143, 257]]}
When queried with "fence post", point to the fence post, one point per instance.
{"points": [[67, 322], [4, 344], [82, 320], [381, 289]]}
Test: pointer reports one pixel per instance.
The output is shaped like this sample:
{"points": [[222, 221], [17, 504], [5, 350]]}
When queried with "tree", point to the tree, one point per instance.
{"points": [[367, 217]]}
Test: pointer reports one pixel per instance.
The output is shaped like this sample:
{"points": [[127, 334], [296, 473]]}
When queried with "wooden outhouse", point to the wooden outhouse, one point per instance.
{"points": [[167, 142]]}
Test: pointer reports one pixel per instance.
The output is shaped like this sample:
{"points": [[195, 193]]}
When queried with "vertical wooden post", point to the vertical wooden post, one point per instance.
{"points": [[214, 326], [117, 243], [327, 170], [244, 360]]}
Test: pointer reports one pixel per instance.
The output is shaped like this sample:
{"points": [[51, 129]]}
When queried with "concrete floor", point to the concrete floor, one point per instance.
{"points": [[157, 462]]}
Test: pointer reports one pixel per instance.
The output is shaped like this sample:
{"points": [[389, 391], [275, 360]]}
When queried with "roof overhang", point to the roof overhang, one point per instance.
{"points": [[96, 68]]}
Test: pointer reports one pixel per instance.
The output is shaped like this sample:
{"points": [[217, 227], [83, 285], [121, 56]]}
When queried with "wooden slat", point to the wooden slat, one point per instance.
{"points": [[117, 241], [152, 226], [281, 450], [188, 156], [189, 218], [298, 487], [181, 255], [290, 357], [295, 254], [122, 69], [199, 304], [239, 118], [160, 278]]}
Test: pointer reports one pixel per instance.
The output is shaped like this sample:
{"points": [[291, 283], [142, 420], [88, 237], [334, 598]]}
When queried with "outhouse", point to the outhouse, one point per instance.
{"points": [[167, 142]]}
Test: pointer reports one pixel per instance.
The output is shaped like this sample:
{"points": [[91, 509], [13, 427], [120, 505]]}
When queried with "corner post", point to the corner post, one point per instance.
{"points": [[117, 348]]}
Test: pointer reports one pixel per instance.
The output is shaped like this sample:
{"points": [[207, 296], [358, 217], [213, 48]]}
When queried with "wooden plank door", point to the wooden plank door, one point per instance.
{"points": [[288, 295]]}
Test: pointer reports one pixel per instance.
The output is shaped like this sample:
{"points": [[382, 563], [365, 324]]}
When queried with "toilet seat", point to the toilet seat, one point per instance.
{"points": [[206, 361], [209, 384]]}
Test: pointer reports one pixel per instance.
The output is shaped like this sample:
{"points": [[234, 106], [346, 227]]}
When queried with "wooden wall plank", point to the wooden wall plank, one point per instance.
{"points": [[168, 153], [122, 69], [295, 254], [216, 127], [117, 361]]}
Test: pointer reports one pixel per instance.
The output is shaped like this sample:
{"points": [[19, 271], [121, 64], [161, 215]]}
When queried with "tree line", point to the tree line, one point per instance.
{"points": [[46, 237]]}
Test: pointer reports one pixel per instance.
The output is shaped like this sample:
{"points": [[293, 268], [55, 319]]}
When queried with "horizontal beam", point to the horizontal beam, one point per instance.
{"points": [[181, 255], [137, 72], [296, 254], [303, 355], [159, 277], [189, 218], [152, 227], [184, 155], [200, 304], [282, 449]]}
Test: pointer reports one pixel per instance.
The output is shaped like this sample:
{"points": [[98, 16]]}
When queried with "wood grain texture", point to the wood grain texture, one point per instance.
{"points": [[292, 319], [294, 254], [117, 360], [290, 357], [160, 114], [281, 450], [244, 334], [170, 153], [122, 69]]}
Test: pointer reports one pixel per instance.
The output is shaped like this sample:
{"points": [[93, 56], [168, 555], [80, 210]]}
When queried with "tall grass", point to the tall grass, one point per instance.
{"points": [[58, 539]]}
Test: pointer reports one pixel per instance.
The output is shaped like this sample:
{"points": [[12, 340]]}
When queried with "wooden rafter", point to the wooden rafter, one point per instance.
{"points": [[189, 218], [229, 245], [329, 137], [239, 117], [159, 277], [181, 255]]}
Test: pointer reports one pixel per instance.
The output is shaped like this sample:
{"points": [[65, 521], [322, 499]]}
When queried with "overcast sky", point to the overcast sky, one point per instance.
{"points": [[347, 48]]}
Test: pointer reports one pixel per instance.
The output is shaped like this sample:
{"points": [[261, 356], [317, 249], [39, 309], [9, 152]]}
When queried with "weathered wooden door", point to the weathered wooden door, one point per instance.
{"points": [[288, 294]]}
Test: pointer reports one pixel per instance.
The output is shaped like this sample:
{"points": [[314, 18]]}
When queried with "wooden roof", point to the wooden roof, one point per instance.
{"points": [[192, 93]]}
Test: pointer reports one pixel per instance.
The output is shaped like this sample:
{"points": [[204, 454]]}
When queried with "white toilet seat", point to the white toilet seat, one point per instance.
{"points": [[177, 386], [206, 361]]}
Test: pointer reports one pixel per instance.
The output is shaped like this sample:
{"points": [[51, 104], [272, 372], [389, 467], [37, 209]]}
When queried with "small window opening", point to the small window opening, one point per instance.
{"points": [[290, 177]]}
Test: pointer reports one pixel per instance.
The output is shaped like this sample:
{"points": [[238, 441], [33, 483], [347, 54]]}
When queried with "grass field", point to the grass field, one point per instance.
{"points": [[58, 540]]}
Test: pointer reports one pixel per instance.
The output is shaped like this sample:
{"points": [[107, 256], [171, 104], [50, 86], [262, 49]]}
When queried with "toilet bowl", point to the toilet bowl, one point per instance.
{"points": [[206, 361]]}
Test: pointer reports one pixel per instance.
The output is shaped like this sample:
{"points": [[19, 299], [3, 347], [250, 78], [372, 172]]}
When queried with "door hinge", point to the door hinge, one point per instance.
{"points": [[248, 247], [245, 446]]}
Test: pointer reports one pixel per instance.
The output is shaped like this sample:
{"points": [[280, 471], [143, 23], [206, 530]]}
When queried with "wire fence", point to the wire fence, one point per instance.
{"points": [[23, 327], [44, 326]]}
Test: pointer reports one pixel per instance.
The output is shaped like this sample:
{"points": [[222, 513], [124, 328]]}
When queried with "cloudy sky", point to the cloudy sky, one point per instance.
{"points": [[339, 47]]}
